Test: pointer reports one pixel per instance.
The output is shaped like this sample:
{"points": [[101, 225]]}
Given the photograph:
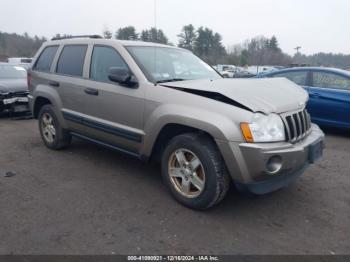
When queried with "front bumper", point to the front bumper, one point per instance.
{"points": [[15, 102], [247, 162]]}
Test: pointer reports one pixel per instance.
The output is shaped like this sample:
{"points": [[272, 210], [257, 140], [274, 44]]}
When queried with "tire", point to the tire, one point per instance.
{"points": [[212, 172], [61, 137]]}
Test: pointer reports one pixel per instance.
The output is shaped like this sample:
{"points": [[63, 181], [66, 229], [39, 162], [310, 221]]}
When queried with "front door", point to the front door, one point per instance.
{"points": [[330, 99], [111, 113]]}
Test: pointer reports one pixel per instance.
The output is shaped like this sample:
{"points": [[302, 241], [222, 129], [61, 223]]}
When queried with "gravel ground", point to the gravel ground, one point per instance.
{"points": [[90, 200]]}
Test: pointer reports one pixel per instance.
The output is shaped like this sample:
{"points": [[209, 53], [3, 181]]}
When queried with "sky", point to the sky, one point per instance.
{"points": [[315, 25]]}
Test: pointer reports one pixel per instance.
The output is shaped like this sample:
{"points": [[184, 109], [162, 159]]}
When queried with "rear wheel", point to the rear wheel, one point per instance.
{"points": [[52, 133], [194, 171]]}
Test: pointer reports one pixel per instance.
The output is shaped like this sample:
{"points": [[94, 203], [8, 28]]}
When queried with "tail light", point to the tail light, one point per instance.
{"points": [[29, 80]]}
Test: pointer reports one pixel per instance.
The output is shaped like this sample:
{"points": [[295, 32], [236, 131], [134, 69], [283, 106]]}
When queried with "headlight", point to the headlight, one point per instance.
{"points": [[264, 129]]}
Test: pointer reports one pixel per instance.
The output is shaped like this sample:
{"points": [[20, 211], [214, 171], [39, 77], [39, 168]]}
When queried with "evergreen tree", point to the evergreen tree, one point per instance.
{"points": [[126, 33], [187, 37]]}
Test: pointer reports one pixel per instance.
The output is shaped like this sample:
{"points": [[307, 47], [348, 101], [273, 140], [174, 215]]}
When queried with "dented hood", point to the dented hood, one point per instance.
{"points": [[267, 95]]}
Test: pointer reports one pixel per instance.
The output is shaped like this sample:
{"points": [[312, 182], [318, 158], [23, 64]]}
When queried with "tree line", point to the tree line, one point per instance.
{"points": [[12, 45], [203, 41]]}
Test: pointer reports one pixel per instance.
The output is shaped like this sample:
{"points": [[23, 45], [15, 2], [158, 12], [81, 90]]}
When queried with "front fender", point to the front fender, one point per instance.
{"points": [[219, 126]]}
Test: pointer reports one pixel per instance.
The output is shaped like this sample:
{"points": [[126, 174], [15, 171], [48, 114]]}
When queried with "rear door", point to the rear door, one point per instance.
{"points": [[330, 98], [111, 113], [69, 82]]}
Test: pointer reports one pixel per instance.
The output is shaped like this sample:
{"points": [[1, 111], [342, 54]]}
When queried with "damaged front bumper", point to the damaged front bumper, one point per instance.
{"points": [[14, 102], [265, 167]]}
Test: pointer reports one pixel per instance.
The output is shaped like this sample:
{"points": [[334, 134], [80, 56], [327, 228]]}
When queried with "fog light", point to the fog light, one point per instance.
{"points": [[273, 165]]}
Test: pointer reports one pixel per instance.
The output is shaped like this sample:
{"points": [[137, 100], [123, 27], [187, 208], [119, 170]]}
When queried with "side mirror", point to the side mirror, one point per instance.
{"points": [[122, 76]]}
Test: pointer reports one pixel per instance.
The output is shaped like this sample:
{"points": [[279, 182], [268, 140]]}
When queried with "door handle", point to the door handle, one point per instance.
{"points": [[91, 91], [54, 84]]}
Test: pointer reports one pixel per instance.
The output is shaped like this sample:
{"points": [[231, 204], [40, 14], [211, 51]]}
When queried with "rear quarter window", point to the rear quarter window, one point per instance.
{"points": [[71, 61], [45, 59]]}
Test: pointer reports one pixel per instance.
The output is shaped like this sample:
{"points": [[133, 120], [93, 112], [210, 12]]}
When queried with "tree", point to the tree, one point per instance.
{"points": [[273, 44], [12, 45], [208, 45], [126, 33], [107, 34], [187, 37], [154, 35], [145, 36]]}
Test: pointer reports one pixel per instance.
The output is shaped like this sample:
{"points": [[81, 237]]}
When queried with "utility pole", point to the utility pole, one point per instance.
{"points": [[297, 48]]}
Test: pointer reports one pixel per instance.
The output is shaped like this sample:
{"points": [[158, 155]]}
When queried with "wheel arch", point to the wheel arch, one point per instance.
{"points": [[40, 101], [46, 95], [169, 131]]}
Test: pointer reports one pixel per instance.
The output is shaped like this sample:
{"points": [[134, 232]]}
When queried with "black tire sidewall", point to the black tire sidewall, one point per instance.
{"points": [[210, 192]]}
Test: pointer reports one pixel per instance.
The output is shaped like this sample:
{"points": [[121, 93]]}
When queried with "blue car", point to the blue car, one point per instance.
{"points": [[329, 91]]}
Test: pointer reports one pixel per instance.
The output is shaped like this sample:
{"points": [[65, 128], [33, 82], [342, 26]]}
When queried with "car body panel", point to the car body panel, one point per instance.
{"points": [[327, 106], [260, 95]]}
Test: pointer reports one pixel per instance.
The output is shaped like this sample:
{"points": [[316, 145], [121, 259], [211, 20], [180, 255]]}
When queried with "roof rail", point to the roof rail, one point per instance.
{"points": [[76, 36]]}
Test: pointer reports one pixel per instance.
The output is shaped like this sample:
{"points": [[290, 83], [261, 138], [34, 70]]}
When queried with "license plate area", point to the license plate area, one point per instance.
{"points": [[15, 99], [315, 151]]}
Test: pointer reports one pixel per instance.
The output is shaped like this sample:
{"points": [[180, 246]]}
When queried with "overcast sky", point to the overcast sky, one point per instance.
{"points": [[316, 25]]}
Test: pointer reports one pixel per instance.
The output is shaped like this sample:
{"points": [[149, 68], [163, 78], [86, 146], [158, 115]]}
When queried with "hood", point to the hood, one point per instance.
{"points": [[267, 95], [13, 85]]}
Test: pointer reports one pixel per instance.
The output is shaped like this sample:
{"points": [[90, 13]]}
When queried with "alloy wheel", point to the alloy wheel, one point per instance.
{"points": [[48, 128], [186, 173]]}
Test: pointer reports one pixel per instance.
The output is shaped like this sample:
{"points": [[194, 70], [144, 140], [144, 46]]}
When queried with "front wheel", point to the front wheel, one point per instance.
{"points": [[194, 171], [51, 131]]}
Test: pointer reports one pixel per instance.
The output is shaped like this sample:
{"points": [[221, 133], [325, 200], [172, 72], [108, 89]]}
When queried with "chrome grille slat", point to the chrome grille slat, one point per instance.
{"points": [[300, 126], [286, 128], [294, 126], [302, 117], [297, 125]]}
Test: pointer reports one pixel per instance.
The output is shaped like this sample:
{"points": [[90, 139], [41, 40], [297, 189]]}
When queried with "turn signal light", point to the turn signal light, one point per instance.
{"points": [[246, 133]]}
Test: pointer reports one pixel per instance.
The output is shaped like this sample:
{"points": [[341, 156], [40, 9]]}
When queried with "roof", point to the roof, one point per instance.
{"points": [[324, 69], [106, 41]]}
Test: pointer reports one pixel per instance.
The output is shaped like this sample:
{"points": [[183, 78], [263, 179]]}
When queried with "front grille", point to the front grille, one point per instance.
{"points": [[297, 125]]}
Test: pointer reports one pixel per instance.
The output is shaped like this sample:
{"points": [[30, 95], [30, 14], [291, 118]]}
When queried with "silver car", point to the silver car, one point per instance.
{"points": [[162, 103], [13, 88]]}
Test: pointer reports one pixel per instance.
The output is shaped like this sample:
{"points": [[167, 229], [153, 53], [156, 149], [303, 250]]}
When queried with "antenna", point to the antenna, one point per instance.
{"points": [[155, 13], [156, 31]]}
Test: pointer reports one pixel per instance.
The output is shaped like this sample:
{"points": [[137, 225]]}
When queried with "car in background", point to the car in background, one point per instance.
{"points": [[231, 71], [13, 88], [24, 62], [222, 68], [242, 72], [329, 92]]}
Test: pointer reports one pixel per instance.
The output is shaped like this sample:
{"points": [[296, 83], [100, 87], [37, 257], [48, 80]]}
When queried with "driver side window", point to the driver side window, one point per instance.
{"points": [[103, 58], [297, 77]]}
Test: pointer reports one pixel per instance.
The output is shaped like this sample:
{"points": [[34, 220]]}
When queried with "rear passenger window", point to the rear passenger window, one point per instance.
{"points": [[329, 80], [71, 61], [297, 77], [103, 58], [45, 59]]}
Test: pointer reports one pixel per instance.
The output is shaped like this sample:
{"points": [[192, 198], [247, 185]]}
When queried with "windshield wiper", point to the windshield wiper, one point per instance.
{"points": [[170, 80]]}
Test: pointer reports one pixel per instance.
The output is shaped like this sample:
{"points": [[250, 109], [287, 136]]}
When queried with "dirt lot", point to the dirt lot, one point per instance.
{"points": [[90, 200]]}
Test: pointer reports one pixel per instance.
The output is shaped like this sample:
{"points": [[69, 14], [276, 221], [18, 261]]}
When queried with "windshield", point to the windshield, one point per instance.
{"points": [[12, 72], [161, 64]]}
